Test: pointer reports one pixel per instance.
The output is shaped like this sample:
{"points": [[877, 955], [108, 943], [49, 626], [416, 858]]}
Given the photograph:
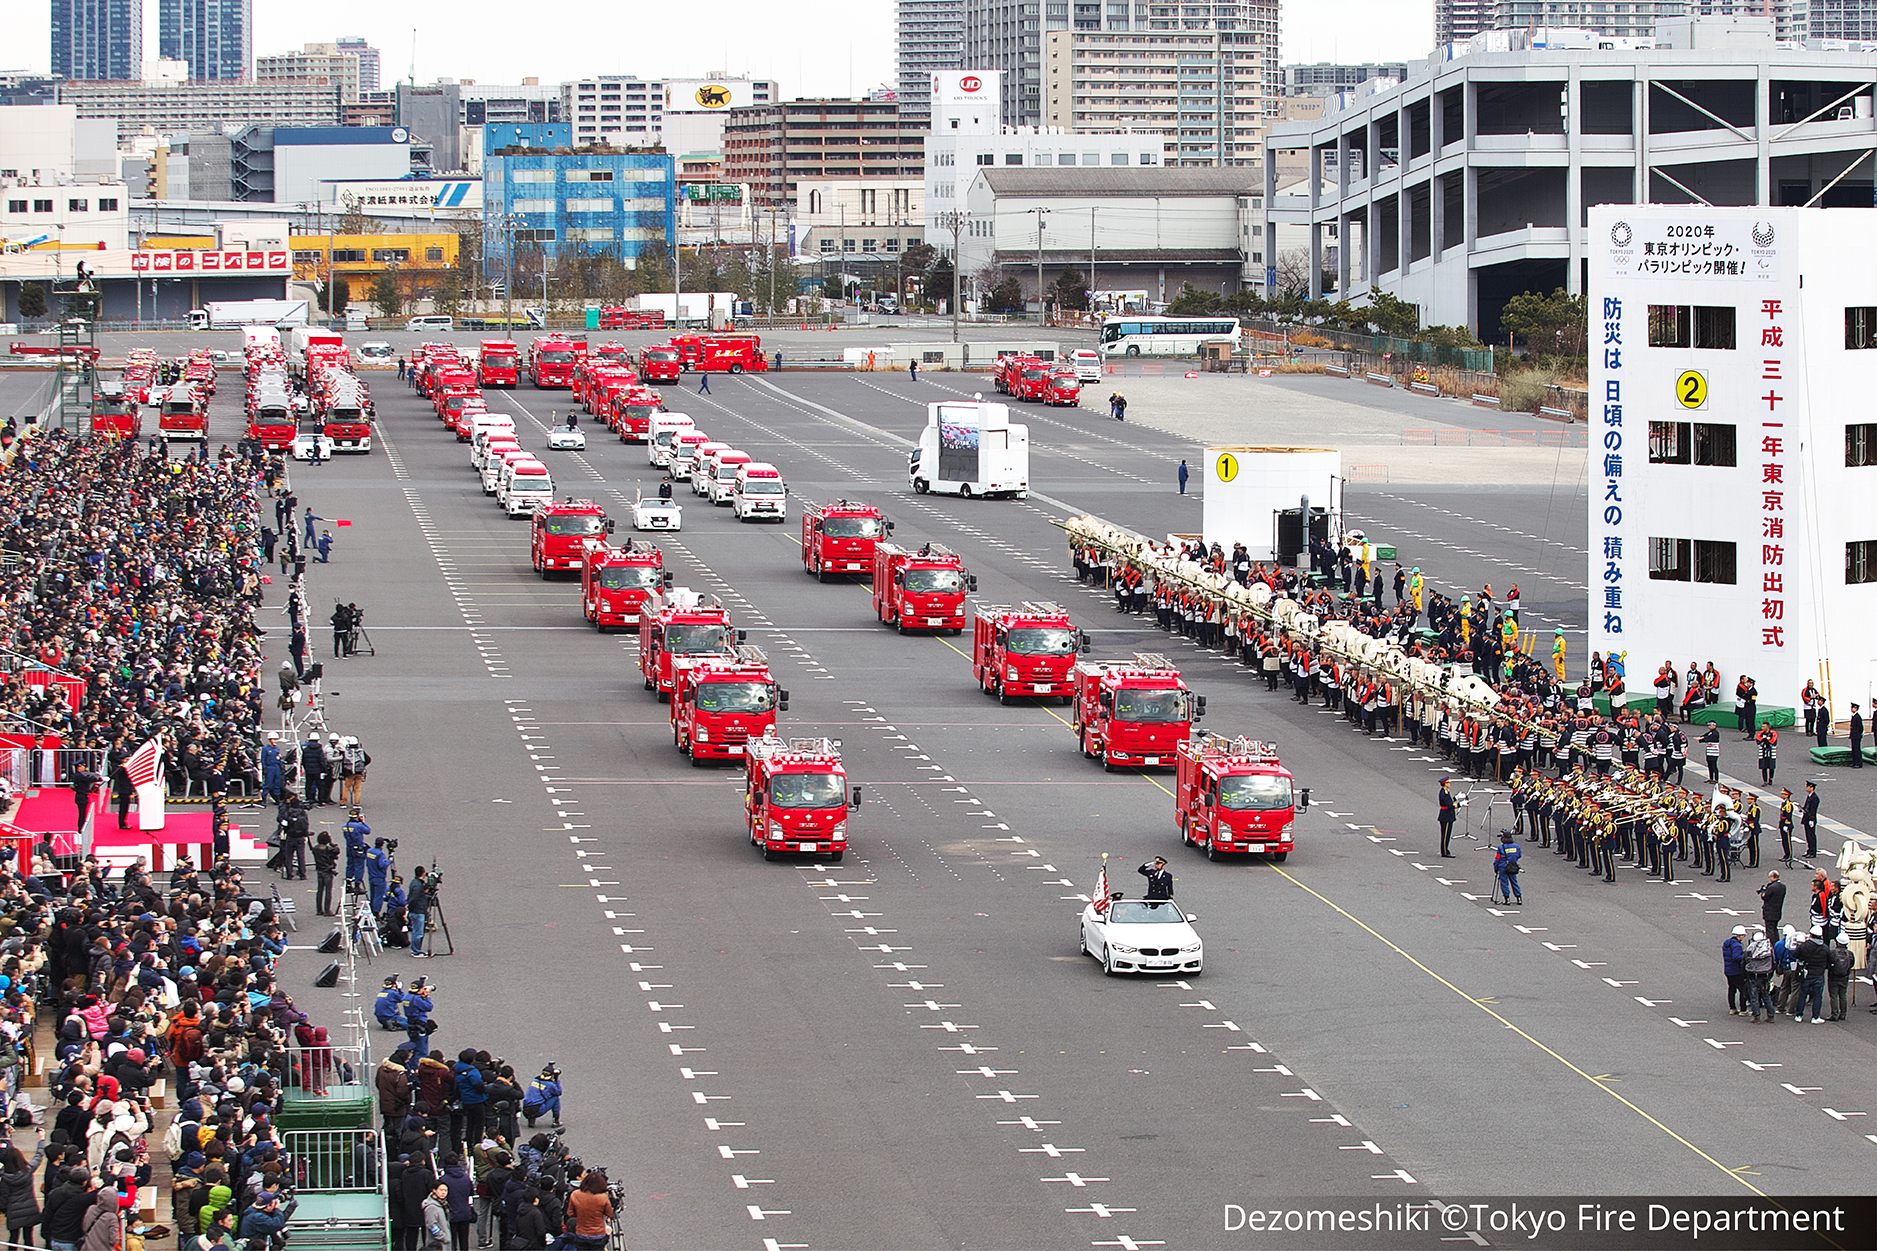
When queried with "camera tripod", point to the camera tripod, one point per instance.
{"points": [[435, 921], [357, 640], [311, 713]]}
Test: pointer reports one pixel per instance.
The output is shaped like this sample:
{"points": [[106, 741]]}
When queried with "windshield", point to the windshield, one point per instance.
{"points": [[262, 417], [664, 437], [735, 697], [1132, 705], [343, 415], [639, 412], [1033, 373], [762, 486], [1041, 643], [530, 484], [727, 472], [555, 358], [661, 356], [1258, 793], [503, 361], [1144, 912], [808, 790], [577, 524], [853, 527], [629, 577], [933, 581], [696, 638]]}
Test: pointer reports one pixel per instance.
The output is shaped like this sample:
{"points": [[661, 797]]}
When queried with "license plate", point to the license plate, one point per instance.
{"points": [[806, 846], [1255, 847], [1153, 760], [735, 749], [935, 621], [853, 564]]}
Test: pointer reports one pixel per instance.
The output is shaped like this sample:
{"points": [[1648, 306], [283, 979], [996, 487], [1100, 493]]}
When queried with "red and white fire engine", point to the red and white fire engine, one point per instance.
{"points": [[616, 581], [1028, 649], [551, 360], [629, 410], [1232, 795], [841, 537], [498, 363], [681, 622], [560, 534], [720, 703], [921, 589], [795, 797], [1133, 712], [1025, 377]]}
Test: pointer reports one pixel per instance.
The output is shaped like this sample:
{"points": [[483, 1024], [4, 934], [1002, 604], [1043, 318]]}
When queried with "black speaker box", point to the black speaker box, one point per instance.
{"points": [[333, 942], [329, 976]]}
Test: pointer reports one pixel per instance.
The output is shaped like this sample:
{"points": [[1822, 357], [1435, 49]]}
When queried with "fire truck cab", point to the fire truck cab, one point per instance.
{"points": [[795, 796], [629, 411], [720, 703], [560, 534], [841, 537], [661, 363], [498, 363], [681, 622], [1133, 712], [1028, 649], [1024, 377], [615, 581], [551, 360], [1232, 795], [181, 413], [920, 590]]}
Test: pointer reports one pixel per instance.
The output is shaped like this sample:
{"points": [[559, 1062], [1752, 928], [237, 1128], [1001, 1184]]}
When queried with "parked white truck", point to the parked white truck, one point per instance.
{"points": [[233, 314], [971, 448]]}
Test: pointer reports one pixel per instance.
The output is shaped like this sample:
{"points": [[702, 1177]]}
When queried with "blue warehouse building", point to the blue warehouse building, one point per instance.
{"points": [[623, 204]]}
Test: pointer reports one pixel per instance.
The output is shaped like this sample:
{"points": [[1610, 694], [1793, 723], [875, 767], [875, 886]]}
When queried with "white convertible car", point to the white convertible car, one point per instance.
{"points": [[567, 439], [1142, 936], [651, 513]]}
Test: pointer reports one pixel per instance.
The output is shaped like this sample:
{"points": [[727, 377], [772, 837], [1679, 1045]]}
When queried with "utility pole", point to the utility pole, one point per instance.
{"points": [[772, 261], [508, 276], [1091, 258], [1042, 305], [955, 222]]}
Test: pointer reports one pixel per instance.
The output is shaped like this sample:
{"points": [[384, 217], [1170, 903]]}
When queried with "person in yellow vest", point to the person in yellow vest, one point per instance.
{"points": [[1466, 622], [1509, 634], [1415, 588], [1557, 653]]}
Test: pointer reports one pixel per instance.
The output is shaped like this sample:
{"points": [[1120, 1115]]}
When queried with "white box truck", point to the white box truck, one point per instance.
{"points": [[232, 314], [971, 448]]}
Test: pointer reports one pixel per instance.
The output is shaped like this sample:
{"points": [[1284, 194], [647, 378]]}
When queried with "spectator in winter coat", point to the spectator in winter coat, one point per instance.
{"points": [[102, 1223], [436, 1081], [263, 1220], [1733, 964], [530, 1224], [16, 1191], [65, 1211], [460, 1201], [470, 1093]]}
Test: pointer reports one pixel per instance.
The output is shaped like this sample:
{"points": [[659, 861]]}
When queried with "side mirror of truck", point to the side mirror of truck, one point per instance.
{"points": [[782, 700], [1199, 706], [667, 578], [971, 582], [853, 800], [1081, 640], [889, 527], [742, 636], [899, 578], [1107, 699], [609, 525], [1303, 800]]}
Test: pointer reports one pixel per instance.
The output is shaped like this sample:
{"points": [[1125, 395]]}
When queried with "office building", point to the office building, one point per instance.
{"points": [[1325, 79], [621, 204], [1811, 21], [367, 61], [74, 215], [283, 164], [931, 38], [526, 103], [1203, 86], [372, 108], [100, 39], [696, 109], [316, 63], [858, 219], [1468, 183], [1635, 20], [772, 147], [1456, 21], [627, 111], [215, 37], [1735, 528], [433, 115], [199, 107], [479, 141], [52, 144]]}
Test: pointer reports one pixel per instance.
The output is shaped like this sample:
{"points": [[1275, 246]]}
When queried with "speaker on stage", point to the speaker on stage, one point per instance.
{"points": [[333, 942], [329, 976]]}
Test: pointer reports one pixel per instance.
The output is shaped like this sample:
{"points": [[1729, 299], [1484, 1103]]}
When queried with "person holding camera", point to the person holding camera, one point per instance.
{"points": [[417, 901], [1506, 865], [543, 1097]]}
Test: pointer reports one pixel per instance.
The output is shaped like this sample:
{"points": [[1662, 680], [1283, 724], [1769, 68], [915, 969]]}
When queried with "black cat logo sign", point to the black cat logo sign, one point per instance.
{"points": [[1227, 466]]}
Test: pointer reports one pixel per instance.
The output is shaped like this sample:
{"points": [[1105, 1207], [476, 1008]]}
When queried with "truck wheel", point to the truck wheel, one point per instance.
{"points": [[648, 684], [1280, 856], [921, 486], [837, 857], [769, 854], [1186, 832], [899, 623], [1003, 696], [964, 492], [736, 368], [1213, 853], [543, 572], [697, 761]]}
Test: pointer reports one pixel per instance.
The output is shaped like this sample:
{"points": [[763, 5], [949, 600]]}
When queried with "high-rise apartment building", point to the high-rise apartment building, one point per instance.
{"points": [[1456, 20], [772, 147], [1325, 79], [97, 39], [931, 38], [367, 61], [192, 106], [215, 38], [1205, 73], [1810, 20], [316, 62], [1635, 20]]}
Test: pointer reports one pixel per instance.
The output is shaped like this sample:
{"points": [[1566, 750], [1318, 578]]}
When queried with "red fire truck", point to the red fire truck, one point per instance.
{"points": [[182, 412], [1133, 712], [681, 622], [115, 413], [1232, 795], [615, 581], [1026, 650], [840, 537], [661, 363], [561, 532], [629, 412], [1063, 388], [795, 796], [720, 703], [551, 360], [497, 363], [1024, 377], [345, 409], [721, 353], [920, 590], [599, 383], [615, 317]]}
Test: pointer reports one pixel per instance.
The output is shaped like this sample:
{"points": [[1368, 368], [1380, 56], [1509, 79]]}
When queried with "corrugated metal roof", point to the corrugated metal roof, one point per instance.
{"points": [[1110, 180]]}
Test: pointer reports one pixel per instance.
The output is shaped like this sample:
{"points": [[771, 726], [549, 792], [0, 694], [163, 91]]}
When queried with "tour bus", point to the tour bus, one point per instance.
{"points": [[1165, 336]]}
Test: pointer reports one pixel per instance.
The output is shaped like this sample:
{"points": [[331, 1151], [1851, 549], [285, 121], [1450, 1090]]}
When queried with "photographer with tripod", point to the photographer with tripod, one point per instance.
{"points": [[417, 903]]}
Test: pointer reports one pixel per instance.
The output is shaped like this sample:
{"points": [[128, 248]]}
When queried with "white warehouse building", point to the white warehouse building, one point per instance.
{"points": [[1472, 180], [1733, 454]]}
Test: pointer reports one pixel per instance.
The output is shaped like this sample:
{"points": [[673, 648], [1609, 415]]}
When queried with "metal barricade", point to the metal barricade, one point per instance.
{"points": [[315, 1069], [336, 1160]]}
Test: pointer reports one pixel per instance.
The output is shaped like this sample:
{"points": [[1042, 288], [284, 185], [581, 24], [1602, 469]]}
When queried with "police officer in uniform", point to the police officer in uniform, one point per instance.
{"points": [[1808, 820], [1159, 881], [1785, 827]]}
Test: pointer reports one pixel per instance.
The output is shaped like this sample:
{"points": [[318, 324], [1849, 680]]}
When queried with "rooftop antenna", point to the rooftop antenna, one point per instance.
{"points": [[413, 78]]}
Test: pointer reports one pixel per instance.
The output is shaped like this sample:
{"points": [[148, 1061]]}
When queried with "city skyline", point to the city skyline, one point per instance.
{"points": [[848, 50]]}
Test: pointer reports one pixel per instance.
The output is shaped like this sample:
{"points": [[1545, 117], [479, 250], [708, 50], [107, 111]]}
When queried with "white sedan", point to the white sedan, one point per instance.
{"points": [[1142, 936], [652, 513], [304, 445], [567, 439]]}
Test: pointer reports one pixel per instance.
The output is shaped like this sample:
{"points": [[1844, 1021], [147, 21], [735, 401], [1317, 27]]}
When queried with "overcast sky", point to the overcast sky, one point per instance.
{"points": [[813, 47]]}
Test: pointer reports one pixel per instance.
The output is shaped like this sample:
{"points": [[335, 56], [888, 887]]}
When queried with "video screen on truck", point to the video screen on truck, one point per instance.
{"points": [[807, 790], [1256, 792], [959, 436]]}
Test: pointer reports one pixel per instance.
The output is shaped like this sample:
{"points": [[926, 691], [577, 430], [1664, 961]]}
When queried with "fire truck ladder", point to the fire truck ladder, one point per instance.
{"points": [[1151, 660], [749, 654], [1043, 608]]}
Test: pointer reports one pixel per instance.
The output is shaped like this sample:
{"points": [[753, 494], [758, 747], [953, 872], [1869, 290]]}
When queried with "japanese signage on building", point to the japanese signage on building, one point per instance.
{"points": [[209, 262]]}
